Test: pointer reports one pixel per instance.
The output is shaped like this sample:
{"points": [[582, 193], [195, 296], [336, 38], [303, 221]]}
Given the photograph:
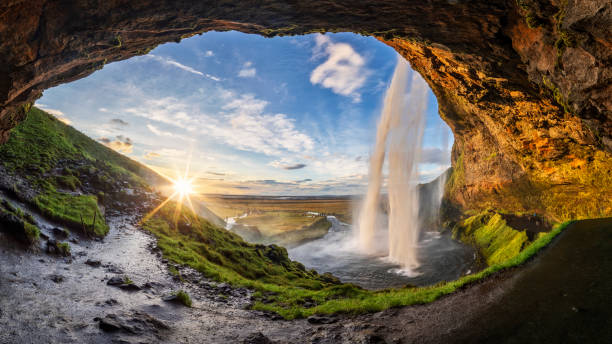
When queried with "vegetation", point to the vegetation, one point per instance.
{"points": [[75, 211], [233, 207], [54, 159], [63, 249], [18, 224], [283, 286], [494, 239], [183, 298]]}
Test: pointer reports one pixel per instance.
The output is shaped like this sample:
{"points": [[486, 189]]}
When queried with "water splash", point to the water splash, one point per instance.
{"points": [[402, 123]]}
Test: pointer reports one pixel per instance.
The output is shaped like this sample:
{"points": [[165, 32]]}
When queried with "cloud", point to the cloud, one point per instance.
{"points": [[343, 72], [58, 114], [170, 62], [286, 164], [294, 167], [209, 53], [159, 132], [121, 144], [247, 70], [434, 155], [215, 173], [151, 155], [119, 122]]}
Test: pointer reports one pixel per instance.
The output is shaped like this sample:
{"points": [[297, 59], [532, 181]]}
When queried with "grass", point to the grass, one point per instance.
{"points": [[54, 160], [494, 239], [183, 298], [232, 207], [75, 211], [283, 286], [63, 249], [20, 225]]}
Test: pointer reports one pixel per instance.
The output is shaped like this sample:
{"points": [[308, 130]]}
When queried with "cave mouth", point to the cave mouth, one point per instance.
{"points": [[303, 122]]}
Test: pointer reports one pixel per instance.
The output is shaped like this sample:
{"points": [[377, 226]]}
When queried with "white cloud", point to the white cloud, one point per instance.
{"points": [[247, 71], [120, 144], [344, 70], [58, 114], [209, 53], [159, 132], [241, 123], [171, 62]]}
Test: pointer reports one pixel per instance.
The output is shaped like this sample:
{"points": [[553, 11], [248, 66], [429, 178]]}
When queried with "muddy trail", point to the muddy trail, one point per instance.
{"points": [[563, 295]]}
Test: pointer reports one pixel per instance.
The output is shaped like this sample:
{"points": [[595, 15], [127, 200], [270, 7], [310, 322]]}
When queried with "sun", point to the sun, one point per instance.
{"points": [[183, 186]]}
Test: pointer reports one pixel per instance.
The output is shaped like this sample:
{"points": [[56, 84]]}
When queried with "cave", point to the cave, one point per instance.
{"points": [[523, 85]]}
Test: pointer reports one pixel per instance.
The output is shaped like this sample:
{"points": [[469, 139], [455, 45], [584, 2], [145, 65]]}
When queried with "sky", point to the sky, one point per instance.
{"points": [[253, 115]]}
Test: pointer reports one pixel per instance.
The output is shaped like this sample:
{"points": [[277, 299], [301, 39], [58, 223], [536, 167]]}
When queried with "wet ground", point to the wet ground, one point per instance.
{"points": [[441, 259], [561, 296]]}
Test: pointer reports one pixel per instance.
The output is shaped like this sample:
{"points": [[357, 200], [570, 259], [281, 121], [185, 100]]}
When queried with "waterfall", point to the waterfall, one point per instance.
{"points": [[401, 124]]}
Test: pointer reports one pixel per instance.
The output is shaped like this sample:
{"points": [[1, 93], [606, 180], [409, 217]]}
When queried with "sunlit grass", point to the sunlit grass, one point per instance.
{"points": [[282, 286]]}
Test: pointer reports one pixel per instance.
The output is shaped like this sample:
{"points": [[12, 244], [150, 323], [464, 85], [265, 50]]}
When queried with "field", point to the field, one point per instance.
{"points": [[274, 215]]}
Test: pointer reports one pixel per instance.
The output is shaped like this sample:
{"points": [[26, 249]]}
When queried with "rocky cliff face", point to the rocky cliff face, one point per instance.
{"points": [[525, 85]]}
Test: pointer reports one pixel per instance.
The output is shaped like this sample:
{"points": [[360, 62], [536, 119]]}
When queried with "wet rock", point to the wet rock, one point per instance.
{"points": [[110, 323], [130, 287], [123, 282], [135, 323], [319, 320], [74, 240], [113, 269], [257, 338], [117, 280], [60, 233], [56, 278], [93, 263]]}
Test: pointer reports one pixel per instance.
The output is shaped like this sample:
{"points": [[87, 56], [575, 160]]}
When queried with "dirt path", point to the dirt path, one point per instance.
{"points": [[561, 296]]}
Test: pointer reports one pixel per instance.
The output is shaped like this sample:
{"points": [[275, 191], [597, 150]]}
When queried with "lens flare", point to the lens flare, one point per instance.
{"points": [[182, 187]]}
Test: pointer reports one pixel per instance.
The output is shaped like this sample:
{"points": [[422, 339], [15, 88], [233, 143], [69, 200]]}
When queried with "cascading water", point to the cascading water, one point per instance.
{"points": [[402, 124]]}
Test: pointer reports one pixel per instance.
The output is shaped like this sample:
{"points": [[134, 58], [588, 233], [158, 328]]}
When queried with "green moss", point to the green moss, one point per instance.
{"points": [[456, 178], [489, 233], [183, 297], [283, 286], [75, 211], [21, 225], [68, 182], [63, 249], [41, 145], [32, 232]]}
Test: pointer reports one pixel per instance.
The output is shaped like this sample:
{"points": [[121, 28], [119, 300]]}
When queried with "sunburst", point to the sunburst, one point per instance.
{"points": [[182, 187]]}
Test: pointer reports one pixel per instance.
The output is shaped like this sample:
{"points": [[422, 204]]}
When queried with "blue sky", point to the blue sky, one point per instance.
{"points": [[254, 115]]}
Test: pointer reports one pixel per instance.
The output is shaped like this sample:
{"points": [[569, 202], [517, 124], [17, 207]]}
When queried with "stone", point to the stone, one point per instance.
{"points": [[60, 233], [320, 320], [110, 323], [56, 278], [93, 263], [257, 338], [117, 280]]}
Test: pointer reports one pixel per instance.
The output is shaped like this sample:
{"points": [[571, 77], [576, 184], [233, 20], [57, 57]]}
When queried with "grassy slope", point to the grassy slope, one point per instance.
{"points": [[489, 233], [40, 143], [39, 148]]}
